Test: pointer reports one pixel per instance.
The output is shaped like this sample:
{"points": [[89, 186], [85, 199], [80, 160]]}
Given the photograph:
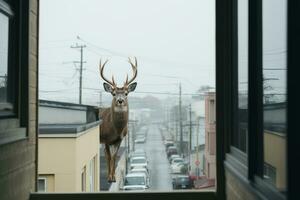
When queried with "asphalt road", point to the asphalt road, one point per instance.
{"points": [[160, 177]]}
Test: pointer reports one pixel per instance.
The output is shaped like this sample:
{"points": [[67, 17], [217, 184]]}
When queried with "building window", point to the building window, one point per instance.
{"points": [[83, 179], [42, 185], [6, 74], [274, 35], [92, 175], [13, 72], [270, 173]]}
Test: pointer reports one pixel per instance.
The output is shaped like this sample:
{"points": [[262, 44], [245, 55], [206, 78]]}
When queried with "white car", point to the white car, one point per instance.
{"points": [[140, 139], [173, 156], [177, 160], [139, 161], [177, 167], [142, 170], [135, 181]]}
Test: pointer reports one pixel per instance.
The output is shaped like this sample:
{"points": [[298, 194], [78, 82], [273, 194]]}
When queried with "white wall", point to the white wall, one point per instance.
{"points": [[51, 115]]}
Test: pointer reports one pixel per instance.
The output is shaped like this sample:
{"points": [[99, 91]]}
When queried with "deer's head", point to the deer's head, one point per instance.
{"points": [[119, 93]]}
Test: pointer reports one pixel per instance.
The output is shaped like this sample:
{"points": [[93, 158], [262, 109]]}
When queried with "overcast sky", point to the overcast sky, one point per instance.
{"points": [[173, 40]]}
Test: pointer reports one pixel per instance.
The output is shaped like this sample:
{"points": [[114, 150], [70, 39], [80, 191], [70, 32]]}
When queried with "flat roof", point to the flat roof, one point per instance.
{"points": [[66, 128]]}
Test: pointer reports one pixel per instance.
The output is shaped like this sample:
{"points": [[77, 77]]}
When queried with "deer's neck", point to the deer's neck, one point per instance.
{"points": [[119, 116]]}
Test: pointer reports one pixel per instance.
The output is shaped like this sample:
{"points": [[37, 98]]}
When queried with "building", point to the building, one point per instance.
{"points": [[68, 157], [210, 136]]}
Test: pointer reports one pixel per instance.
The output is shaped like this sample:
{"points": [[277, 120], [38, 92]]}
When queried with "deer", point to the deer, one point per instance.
{"points": [[115, 118]]}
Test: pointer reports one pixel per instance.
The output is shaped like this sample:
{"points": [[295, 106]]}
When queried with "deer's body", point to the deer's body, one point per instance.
{"points": [[113, 127], [115, 119]]}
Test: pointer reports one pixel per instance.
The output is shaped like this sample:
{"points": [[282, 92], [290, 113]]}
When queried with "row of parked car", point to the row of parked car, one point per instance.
{"points": [[138, 176], [178, 167]]}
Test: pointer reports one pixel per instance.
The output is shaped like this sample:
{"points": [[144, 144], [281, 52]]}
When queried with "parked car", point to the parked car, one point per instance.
{"points": [[166, 141], [135, 181], [139, 161], [177, 160], [178, 168], [172, 157], [142, 170], [169, 144], [171, 151], [182, 182], [140, 139], [138, 152]]}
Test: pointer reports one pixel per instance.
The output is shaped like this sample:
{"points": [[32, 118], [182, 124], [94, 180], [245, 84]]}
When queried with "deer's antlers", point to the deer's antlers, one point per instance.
{"points": [[134, 69], [112, 83], [101, 68]]}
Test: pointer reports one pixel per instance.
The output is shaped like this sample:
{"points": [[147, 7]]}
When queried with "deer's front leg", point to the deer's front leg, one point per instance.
{"points": [[108, 160], [115, 149]]}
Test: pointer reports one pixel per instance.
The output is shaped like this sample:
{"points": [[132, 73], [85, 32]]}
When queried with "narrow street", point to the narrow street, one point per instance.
{"points": [[160, 177]]}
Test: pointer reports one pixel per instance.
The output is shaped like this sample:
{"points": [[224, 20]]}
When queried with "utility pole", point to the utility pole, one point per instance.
{"points": [[197, 146], [80, 69], [190, 109], [190, 139], [180, 121], [100, 99]]}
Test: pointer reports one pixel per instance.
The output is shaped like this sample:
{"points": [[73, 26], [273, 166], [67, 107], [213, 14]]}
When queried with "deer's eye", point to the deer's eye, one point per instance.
{"points": [[114, 94], [126, 93]]}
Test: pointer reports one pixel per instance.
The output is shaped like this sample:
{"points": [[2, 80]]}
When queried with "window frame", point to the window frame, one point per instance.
{"points": [[253, 178], [14, 125], [45, 185], [6, 10]]}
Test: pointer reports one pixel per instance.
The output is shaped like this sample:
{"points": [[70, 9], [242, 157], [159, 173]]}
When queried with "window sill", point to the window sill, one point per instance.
{"points": [[208, 195], [236, 166], [12, 135], [237, 162], [267, 189]]}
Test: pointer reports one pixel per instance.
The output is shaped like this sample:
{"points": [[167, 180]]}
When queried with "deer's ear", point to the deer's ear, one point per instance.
{"points": [[107, 87], [132, 87]]}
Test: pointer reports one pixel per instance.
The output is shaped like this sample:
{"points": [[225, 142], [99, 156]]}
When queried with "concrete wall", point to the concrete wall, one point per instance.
{"points": [[17, 159], [66, 158]]}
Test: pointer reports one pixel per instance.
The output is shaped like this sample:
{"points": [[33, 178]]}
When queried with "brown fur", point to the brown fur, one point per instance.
{"points": [[112, 130]]}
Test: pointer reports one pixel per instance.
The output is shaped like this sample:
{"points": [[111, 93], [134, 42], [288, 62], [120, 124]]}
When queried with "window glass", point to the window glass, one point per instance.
{"points": [[240, 140], [171, 111], [42, 185], [274, 91], [4, 28]]}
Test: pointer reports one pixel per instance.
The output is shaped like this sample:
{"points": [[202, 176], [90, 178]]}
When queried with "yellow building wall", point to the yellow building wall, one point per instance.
{"points": [[275, 155], [65, 158], [87, 148], [57, 156]]}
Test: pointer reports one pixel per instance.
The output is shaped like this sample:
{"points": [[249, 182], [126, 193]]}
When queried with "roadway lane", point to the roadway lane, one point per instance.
{"points": [[160, 177]]}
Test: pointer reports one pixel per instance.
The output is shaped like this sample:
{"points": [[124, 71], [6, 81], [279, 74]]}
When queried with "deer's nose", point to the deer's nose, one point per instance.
{"points": [[120, 101]]}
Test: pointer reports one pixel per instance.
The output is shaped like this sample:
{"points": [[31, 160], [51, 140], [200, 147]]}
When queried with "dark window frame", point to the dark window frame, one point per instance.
{"points": [[16, 122], [6, 10], [254, 179]]}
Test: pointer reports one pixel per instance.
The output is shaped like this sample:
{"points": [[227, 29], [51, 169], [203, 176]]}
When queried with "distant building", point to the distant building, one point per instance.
{"points": [[68, 155], [210, 136]]}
